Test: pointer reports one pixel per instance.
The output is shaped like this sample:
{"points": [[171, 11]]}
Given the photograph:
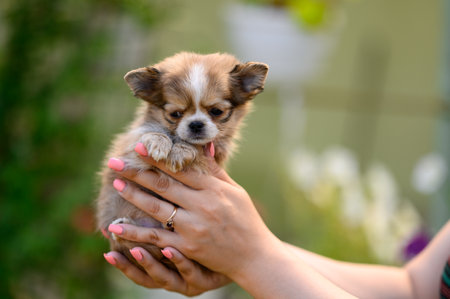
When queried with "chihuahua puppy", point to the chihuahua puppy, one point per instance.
{"points": [[189, 101]]}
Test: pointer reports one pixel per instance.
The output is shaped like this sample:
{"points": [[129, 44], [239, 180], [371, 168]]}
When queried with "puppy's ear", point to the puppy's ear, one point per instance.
{"points": [[145, 83], [247, 80]]}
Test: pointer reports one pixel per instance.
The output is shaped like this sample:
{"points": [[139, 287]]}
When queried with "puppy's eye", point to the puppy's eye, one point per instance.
{"points": [[215, 112], [176, 114]]}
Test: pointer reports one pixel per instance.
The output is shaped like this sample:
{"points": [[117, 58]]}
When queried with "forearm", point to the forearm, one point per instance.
{"points": [[368, 281], [426, 269], [276, 272]]}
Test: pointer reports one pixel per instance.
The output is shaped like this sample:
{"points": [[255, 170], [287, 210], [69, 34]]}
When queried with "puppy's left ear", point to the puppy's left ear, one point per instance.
{"points": [[247, 80]]}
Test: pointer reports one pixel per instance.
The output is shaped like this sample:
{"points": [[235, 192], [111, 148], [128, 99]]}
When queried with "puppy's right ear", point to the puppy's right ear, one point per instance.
{"points": [[145, 83]]}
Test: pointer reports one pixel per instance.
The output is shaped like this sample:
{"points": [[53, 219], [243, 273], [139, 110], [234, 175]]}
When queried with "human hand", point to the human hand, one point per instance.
{"points": [[191, 279], [216, 223]]}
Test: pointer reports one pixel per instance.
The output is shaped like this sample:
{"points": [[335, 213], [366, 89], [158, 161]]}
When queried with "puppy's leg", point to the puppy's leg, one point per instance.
{"points": [[158, 145], [181, 156]]}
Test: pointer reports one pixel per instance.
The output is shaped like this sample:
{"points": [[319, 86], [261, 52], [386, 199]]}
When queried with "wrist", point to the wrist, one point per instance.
{"points": [[252, 271], [276, 272]]}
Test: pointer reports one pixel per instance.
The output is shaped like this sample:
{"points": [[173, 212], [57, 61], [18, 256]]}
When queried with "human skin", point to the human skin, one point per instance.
{"points": [[218, 226], [230, 236]]}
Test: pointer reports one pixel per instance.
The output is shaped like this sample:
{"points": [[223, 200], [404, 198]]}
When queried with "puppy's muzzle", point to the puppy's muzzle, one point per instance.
{"points": [[196, 127]]}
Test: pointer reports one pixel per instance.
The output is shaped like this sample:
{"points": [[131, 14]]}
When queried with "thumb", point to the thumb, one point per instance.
{"points": [[215, 168]]}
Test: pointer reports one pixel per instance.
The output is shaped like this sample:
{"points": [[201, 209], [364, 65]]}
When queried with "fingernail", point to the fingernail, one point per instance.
{"points": [[116, 164], [136, 254], [115, 229], [119, 185], [140, 149], [166, 252], [109, 259], [105, 233]]}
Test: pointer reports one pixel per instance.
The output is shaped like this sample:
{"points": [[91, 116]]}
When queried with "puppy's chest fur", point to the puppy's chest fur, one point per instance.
{"points": [[189, 100]]}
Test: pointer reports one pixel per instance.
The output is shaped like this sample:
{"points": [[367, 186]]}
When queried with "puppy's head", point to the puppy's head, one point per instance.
{"points": [[198, 98]]}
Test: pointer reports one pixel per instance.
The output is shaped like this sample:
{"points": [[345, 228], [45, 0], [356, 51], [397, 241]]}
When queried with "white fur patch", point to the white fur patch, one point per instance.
{"points": [[197, 82], [118, 221], [210, 129]]}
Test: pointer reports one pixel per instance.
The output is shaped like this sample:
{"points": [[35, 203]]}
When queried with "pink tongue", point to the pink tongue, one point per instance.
{"points": [[210, 148]]}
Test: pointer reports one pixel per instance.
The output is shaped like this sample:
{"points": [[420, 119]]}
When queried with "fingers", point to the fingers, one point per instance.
{"points": [[219, 173], [160, 184], [158, 209], [192, 272], [156, 275], [104, 233], [129, 270], [156, 236], [187, 268], [161, 275]]}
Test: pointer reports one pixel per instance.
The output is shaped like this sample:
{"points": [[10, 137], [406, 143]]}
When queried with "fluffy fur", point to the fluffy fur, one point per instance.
{"points": [[189, 101]]}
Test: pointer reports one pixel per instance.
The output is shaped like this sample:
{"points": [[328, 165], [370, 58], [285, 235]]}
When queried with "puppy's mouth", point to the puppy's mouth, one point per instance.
{"points": [[199, 140], [197, 133]]}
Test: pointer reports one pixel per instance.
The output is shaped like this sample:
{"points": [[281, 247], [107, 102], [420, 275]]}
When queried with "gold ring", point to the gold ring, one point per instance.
{"points": [[168, 224]]}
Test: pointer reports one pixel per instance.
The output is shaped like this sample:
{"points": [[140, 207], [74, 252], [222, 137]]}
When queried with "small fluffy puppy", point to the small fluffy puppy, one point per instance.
{"points": [[189, 101]]}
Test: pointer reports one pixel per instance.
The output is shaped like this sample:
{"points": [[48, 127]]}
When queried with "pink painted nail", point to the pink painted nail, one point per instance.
{"points": [[136, 254], [116, 164], [115, 229], [166, 252], [119, 185], [109, 259], [140, 149], [105, 233]]}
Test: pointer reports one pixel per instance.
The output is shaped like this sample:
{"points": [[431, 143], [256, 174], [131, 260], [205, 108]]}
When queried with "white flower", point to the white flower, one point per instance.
{"points": [[383, 190], [340, 165], [383, 243], [407, 221], [386, 238], [303, 169], [353, 203], [429, 174], [381, 212]]}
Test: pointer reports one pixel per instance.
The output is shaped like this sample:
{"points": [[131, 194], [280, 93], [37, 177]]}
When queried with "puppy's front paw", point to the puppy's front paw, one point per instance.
{"points": [[181, 155], [158, 145], [118, 221]]}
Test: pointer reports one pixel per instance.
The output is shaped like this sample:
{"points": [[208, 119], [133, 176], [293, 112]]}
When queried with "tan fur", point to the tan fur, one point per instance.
{"points": [[229, 87]]}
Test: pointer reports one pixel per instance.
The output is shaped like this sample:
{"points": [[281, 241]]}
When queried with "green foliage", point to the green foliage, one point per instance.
{"points": [[50, 71], [310, 14]]}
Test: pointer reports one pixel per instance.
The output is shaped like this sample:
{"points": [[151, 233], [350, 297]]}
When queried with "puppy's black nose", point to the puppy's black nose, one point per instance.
{"points": [[196, 126]]}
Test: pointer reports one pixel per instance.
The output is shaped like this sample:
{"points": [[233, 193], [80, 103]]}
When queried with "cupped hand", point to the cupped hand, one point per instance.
{"points": [[216, 223], [191, 279]]}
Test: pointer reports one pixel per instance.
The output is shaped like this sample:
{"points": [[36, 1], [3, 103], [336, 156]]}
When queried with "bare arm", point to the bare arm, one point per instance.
{"points": [[420, 278], [426, 269], [218, 226], [277, 273], [361, 280]]}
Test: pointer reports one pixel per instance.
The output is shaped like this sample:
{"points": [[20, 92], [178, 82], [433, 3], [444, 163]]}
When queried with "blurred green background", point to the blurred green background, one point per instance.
{"points": [[346, 153]]}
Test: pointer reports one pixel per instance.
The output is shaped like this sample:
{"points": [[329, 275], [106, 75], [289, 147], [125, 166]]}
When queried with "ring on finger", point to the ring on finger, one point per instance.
{"points": [[168, 224]]}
